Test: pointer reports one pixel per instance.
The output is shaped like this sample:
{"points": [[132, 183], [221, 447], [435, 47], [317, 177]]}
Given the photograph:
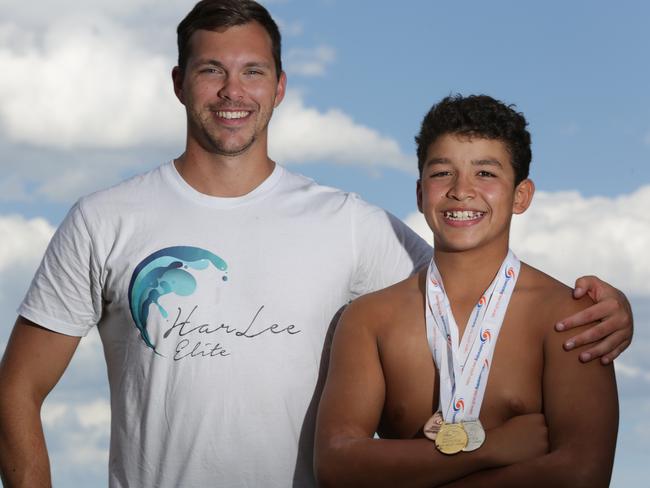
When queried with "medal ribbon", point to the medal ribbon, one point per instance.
{"points": [[464, 366]]}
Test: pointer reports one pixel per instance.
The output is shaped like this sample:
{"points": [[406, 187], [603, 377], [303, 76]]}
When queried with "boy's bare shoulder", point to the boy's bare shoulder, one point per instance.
{"points": [[388, 305], [551, 299]]}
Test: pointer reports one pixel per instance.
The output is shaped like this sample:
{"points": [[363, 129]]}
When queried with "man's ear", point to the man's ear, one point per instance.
{"points": [[418, 192], [280, 89], [524, 192], [177, 79]]}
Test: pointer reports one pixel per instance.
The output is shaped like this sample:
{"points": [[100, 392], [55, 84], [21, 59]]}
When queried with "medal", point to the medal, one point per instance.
{"points": [[451, 438], [475, 434], [432, 427]]}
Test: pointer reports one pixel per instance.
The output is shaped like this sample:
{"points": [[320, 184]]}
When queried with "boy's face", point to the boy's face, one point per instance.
{"points": [[467, 192]]}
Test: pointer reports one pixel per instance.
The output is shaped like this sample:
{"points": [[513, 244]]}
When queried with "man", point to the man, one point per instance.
{"points": [[416, 357], [212, 280]]}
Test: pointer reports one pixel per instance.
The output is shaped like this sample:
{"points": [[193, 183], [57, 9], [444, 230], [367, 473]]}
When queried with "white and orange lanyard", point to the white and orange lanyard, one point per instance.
{"points": [[464, 367]]}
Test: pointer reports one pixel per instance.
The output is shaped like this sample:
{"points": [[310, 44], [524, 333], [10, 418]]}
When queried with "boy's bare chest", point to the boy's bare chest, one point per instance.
{"points": [[514, 386]]}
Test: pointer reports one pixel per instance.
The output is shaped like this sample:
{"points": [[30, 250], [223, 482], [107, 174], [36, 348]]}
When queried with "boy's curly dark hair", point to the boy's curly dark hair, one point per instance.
{"points": [[480, 116]]}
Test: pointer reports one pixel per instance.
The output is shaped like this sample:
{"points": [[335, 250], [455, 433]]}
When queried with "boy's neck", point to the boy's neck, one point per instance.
{"points": [[466, 275]]}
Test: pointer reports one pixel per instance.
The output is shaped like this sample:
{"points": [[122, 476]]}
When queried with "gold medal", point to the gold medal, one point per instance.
{"points": [[432, 427], [475, 434], [451, 438]]}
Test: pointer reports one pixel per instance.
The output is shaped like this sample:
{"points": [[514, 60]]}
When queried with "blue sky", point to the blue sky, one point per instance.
{"points": [[86, 100]]}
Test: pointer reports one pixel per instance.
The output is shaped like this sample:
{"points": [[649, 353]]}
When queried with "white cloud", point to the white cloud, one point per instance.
{"points": [[633, 367], [309, 62], [94, 414], [87, 82], [77, 434], [24, 12], [73, 178], [633, 372], [300, 134], [91, 84], [53, 413], [568, 235], [22, 243], [85, 90]]}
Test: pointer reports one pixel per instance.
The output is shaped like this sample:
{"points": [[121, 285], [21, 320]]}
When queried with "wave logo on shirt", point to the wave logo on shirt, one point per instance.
{"points": [[482, 301], [163, 272], [510, 272]]}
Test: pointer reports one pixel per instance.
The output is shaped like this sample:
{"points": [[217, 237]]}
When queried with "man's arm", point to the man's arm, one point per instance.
{"points": [[581, 410], [612, 313], [346, 454], [33, 362]]}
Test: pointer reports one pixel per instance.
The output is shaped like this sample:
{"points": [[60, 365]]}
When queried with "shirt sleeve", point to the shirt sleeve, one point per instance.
{"points": [[65, 293], [386, 249]]}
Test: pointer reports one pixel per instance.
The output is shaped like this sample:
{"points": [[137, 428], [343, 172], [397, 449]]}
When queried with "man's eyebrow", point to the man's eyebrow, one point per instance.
{"points": [[208, 62], [219, 64], [258, 64]]}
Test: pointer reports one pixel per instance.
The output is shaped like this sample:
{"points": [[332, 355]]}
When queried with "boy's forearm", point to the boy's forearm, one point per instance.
{"points": [[349, 461], [408, 463], [558, 468]]}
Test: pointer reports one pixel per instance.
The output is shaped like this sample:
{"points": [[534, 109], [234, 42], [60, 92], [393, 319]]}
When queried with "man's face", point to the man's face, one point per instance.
{"points": [[467, 192], [229, 88]]}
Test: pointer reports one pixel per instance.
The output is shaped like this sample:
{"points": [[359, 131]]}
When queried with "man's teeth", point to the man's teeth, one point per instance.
{"points": [[232, 115], [463, 215]]}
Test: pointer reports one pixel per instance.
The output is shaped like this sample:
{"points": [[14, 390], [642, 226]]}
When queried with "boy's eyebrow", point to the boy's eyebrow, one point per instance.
{"points": [[475, 162], [487, 162], [433, 161]]}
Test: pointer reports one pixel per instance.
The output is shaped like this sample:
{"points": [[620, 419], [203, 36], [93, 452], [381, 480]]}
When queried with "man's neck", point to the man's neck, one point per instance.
{"points": [[224, 176]]}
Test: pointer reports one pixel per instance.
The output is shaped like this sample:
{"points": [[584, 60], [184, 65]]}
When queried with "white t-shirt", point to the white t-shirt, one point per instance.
{"points": [[213, 313]]}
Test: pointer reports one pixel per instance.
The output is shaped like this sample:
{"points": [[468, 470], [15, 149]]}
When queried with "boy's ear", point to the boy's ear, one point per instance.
{"points": [[524, 192], [418, 192]]}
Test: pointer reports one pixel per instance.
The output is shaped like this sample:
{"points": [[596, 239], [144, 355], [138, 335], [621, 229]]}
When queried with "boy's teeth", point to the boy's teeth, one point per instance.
{"points": [[232, 115], [463, 214]]}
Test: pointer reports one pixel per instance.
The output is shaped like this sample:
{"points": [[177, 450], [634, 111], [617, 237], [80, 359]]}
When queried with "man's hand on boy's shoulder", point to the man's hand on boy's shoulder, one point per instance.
{"points": [[613, 332]]}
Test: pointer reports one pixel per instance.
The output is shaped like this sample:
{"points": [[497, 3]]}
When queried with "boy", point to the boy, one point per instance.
{"points": [[405, 364]]}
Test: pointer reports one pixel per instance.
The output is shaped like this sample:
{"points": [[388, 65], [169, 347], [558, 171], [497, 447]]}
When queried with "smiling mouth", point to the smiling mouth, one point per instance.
{"points": [[463, 215], [232, 115]]}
